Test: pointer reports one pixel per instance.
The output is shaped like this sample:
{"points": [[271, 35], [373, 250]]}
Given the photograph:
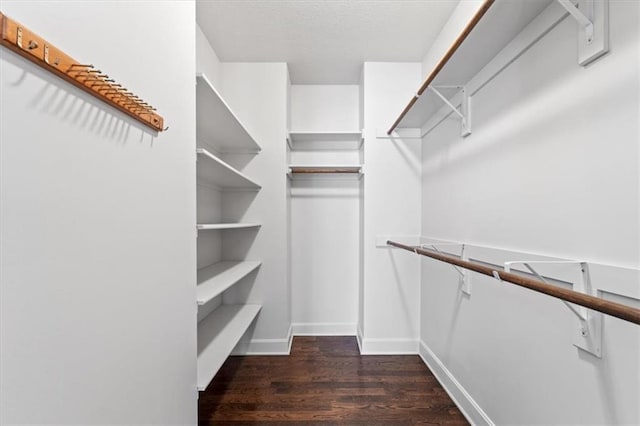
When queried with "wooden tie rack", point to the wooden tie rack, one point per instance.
{"points": [[31, 46]]}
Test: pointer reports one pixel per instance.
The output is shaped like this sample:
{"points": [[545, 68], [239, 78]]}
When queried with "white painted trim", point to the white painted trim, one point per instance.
{"points": [[469, 408], [389, 346], [324, 329], [359, 337], [265, 346]]}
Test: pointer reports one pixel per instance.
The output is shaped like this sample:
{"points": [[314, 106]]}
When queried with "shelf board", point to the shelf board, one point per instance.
{"points": [[216, 172], [216, 123], [215, 279], [325, 169], [218, 334], [502, 22], [210, 226], [338, 140]]}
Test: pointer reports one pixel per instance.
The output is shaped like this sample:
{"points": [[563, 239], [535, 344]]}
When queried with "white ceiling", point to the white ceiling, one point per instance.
{"points": [[323, 41]]}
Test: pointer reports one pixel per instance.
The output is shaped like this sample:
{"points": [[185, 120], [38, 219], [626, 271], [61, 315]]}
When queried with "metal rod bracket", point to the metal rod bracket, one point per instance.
{"points": [[593, 32], [465, 276], [465, 106], [589, 333]]}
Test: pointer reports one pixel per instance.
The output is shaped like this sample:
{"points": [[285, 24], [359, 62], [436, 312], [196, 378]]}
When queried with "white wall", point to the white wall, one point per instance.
{"points": [[97, 312], [551, 168], [391, 207], [323, 108], [325, 214]]}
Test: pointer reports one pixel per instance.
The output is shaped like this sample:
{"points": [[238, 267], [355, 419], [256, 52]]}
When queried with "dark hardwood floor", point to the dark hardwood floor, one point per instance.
{"points": [[326, 381]]}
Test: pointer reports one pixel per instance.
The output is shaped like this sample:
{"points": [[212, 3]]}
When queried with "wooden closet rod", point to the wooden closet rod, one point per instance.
{"points": [[314, 170], [617, 310], [443, 61], [31, 46]]}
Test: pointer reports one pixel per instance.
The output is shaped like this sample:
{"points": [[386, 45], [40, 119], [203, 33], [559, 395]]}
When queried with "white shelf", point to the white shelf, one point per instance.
{"points": [[209, 226], [217, 125], [215, 279], [498, 27], [218, 334], [333, 140], [216, 172], [302, 136]]}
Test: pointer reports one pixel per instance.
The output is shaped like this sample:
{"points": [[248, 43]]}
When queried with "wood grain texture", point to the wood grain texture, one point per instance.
{"points": [[29, 45], [443, 61], [618, 310], [326, 381]]}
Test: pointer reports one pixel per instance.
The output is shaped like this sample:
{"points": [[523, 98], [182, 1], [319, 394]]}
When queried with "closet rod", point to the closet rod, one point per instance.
{"points": [[443, 61], [618, 310]]}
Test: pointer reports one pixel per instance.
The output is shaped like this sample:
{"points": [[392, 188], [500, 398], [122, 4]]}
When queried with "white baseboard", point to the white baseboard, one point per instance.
{"points": [[359, 337], [265, 346], [471, 410], [324, 329], [388, 346]]}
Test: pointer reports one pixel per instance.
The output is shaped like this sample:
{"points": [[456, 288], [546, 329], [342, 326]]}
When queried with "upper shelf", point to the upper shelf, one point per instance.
{"points": [[216, 123], [216, 172], [486, 34], [337, 140]]}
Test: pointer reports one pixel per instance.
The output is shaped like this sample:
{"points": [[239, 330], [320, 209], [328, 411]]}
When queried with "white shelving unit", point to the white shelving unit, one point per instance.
{"points": [[216, 172], [215, 279], [219, 132], [329, 140], [340, 142], [220, 226], [218, 334], [217, 124]]}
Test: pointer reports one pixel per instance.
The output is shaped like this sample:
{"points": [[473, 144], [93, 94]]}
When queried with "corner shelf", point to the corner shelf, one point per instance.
{"points": [[215, 279], [330, 140], [211, 226], [218, 334], [218, 173], [217, 125]]}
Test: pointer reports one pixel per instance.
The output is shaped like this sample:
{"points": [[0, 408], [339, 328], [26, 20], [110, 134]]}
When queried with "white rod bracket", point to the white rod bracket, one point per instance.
{"points": [[578, 15], [589, 336], [465, 277], [465, 107], [593, 31]]}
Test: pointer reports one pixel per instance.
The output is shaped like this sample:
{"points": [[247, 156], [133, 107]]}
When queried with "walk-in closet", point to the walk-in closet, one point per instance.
{"points": [[355, 212]]}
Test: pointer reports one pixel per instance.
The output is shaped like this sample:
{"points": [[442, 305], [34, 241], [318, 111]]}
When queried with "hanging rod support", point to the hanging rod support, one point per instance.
{"points": [[465, 277], [446, 101], [579, 16], [465, 106], [433, 246], [589, 335], [580, 312]]}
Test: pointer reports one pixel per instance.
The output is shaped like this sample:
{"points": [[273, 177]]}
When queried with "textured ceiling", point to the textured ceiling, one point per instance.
{"points": [[323, 41]]}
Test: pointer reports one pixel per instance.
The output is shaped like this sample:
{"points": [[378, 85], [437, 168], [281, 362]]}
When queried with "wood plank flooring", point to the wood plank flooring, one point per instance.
{"points": [[326, 381]]}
